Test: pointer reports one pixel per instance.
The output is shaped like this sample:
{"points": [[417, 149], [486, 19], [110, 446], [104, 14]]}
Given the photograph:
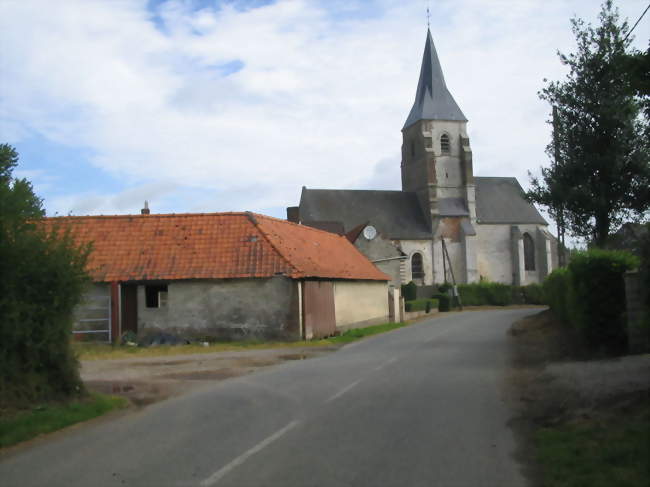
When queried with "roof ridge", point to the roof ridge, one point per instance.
{"points": [[287, 222], [149, 216], [361, 190], [253, 218]]}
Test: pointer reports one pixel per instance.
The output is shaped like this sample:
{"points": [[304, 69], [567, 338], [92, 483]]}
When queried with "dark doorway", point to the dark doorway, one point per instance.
{"points": [[129, 308]]}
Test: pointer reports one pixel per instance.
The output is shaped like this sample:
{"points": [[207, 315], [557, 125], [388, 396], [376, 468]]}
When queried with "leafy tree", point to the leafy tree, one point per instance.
{"points": [[43, 278], [600, 171]]}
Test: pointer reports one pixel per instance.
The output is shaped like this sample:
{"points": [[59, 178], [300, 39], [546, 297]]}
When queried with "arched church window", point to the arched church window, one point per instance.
{"points": [[417, 269], [529, 253], [445, 146]]}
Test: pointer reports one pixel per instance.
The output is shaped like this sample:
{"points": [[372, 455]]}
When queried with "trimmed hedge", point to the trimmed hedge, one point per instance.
{"points": [[589, 297], [420, 304], [497, 294], [409, 291]]}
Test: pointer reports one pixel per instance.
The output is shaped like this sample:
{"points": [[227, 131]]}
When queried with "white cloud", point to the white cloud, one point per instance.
{"points": [[319, 99]]}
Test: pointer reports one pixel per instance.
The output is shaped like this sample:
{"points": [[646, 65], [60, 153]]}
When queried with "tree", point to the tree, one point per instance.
{"points": [[43, 278], [600, 171]]}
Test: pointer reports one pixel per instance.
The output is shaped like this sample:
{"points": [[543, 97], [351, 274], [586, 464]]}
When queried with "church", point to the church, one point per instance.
{"points": [[445, 225]]}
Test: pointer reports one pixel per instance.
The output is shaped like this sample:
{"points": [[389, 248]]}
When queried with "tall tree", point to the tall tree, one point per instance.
{"points": [[600, 171]]}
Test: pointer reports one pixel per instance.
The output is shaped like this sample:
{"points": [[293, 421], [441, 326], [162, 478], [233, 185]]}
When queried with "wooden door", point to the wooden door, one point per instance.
{"points": [[129, 308]]}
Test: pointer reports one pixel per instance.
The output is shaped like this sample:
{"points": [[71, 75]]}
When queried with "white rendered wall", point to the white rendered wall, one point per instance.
{"points": [[360, 303]]}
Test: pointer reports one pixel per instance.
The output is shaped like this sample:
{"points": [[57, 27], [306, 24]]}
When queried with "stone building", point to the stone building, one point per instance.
{"points": [[221, 276], [444, 221]]}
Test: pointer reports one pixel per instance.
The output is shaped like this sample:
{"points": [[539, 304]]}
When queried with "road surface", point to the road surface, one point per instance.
{"points": [[420, 406]]}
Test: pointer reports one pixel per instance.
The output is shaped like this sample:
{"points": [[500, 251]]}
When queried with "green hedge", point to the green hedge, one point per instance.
{"points": [[409, 291], [420, 304], [497, 294], [589, 296]]}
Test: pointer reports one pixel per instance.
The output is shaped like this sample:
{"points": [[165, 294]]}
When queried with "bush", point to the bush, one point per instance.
{"points": [[444, 288], [420, 305], [556, 291], [589, 296], [598, 296], [444, 303], [532, 294], [43, 279], [409, 291], [485, 293]]}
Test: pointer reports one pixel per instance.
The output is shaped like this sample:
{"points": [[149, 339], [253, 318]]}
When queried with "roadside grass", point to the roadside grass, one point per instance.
{"points": [[24, 425], [98, 351], [597, 452]]}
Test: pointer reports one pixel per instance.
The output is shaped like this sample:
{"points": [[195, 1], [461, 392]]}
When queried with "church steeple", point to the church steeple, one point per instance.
{"points": [[432, 99]]}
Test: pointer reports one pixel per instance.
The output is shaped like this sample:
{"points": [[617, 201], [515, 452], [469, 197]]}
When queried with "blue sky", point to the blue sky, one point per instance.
{"points": [[204, 105]]}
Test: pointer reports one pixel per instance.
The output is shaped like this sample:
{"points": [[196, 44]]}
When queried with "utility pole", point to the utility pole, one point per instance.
{"points": [[559, 208]]}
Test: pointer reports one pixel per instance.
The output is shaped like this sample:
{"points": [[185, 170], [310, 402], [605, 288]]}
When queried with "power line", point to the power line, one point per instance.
{"points": [[636, 23]]}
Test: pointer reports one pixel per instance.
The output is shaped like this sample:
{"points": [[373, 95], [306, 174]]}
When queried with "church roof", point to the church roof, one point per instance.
{"points": [[501, 200], [432, 99], [395, 214]]}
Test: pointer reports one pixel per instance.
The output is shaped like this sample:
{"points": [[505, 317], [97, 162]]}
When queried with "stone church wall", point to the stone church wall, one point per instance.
{"points": [[409, 247], [494, 257]]}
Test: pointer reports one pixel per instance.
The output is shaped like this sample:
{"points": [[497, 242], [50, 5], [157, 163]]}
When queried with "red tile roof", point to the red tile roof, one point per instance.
{"points": [[212, 246]]}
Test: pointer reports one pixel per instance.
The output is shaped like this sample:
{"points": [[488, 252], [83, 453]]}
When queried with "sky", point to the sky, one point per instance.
{"points": [[214, 105]]}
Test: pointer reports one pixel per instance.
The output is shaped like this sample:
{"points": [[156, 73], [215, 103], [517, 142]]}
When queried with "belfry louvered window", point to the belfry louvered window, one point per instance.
{"points": [[445, 146], [417, 269]]}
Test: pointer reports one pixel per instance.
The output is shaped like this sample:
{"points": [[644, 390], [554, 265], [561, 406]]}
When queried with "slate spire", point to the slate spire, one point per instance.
{"points": [[432, 99]]}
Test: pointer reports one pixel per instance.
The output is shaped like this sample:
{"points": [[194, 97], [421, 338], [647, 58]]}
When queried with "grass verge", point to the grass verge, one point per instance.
{"points": [[24, 425], [97, 351], [598, 452]]}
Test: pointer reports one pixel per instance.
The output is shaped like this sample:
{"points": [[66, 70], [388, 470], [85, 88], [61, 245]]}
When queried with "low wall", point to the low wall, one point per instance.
{"points": [[224, 309], [360, 303], [411, 315]]}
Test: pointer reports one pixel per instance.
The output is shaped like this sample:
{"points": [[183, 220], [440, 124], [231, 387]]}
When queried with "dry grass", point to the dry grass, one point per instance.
{"points": [[96, 351]]}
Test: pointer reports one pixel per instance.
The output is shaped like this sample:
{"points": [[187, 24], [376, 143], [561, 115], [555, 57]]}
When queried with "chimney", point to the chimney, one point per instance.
{"points": [[293, 214], [145, 210]]}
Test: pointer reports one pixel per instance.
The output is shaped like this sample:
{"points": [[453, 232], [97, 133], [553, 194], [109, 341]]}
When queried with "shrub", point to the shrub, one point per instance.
{"points": [[409, 291], [420, 304], [589, 296], [444, 303], [556, 291], [532, 294], [43, 279], [444, 288], [597, 297], [485, 293]]}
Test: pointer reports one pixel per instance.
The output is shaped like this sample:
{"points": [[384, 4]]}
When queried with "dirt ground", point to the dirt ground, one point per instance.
{"points": [[150, 379], [551, 383]]}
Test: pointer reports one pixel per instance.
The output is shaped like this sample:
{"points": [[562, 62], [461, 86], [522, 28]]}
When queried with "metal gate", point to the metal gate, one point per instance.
{"points": [[93, 315]]}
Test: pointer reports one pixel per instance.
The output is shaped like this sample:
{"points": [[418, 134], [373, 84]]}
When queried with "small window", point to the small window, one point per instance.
{"points": [[428, 143], [529, 253], [445, 147], [417, 270], [412, 148], [156, 296]]}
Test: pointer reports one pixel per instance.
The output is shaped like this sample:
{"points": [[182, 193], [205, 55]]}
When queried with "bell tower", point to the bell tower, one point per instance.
{"points": [[437, 167], [436, 155]]}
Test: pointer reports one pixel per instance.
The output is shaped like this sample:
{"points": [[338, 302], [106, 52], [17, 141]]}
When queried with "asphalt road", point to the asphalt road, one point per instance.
{"points": [[420, 406]]}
